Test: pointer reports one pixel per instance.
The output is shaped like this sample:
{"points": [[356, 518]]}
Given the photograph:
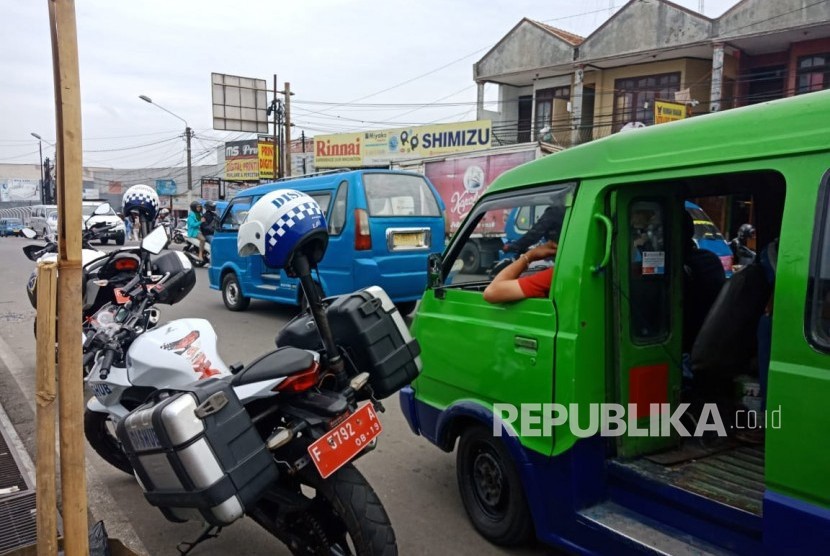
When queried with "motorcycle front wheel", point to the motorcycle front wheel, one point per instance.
{"points": [[341, 515], [100, 433]]}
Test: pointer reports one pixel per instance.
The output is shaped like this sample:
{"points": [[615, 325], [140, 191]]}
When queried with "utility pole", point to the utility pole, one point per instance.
{"points": [[287, 128], [188, 133], [276, 130]]}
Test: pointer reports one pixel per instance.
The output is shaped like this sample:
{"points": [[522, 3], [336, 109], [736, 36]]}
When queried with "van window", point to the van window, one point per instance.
{"points": [[649, 278], [337, 218], [818, 301], [478, 254], [235, 213], [399, 195], [323, 199]]}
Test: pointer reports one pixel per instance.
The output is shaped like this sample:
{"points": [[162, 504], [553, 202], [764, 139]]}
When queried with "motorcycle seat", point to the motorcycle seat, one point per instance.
{"points": [[284, 361]]}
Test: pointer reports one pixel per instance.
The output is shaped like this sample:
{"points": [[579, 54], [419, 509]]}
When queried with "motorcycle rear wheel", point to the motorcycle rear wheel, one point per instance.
{"points": [[344, 513], [103, 440]]}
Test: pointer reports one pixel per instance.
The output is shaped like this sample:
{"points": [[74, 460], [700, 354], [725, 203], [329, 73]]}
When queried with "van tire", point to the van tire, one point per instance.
{"points": [[471, 257], [232, 294], [491, 489], [104, 240], [119, 239]]}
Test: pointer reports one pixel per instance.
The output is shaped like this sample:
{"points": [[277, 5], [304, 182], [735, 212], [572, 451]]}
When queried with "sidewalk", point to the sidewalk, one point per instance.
{"points": [[102, 506]]}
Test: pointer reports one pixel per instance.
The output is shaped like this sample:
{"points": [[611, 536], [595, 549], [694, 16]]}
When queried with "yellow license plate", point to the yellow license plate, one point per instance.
{"points": [[408, 239]]}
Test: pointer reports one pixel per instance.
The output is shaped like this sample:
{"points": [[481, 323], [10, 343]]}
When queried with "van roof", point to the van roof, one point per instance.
{"points": [[790, 125], [322, 181]]}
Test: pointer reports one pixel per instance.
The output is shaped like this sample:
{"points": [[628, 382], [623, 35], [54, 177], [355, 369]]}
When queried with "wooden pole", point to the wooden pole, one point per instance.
{"points": [[47, 502], [70, 191], [287, 157]]}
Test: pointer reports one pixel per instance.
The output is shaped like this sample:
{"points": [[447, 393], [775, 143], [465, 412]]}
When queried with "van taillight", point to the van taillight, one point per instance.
{"points": [[362, 234]]}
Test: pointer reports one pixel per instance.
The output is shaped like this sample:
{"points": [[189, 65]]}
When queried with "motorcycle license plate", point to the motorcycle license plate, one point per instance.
{"points": [[342, 443]]}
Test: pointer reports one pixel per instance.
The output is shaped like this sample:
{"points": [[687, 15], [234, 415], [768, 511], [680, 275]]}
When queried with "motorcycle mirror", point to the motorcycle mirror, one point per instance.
{"points": [[29, 233], [155, 241], [31, 251], [103, 208]]}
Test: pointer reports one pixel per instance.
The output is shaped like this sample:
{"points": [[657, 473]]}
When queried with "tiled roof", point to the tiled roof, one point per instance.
{"points": [[561, 33]]}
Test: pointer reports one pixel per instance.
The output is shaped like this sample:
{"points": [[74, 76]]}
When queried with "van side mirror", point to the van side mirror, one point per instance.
{"points": [[434, 271]]}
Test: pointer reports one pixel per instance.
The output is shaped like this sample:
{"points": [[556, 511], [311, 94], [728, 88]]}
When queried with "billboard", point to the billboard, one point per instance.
{"points": [[665, 111], [166, 187], [239, 103], [382, 147], [210, 189], [249, 160], [13, 189]]}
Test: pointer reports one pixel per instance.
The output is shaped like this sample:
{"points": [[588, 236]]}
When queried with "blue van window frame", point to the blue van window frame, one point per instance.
{"points": [[337, 220], [228, 223]]}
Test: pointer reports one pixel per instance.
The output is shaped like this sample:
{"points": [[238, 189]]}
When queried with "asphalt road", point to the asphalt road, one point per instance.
{"points": [[415, 480]]}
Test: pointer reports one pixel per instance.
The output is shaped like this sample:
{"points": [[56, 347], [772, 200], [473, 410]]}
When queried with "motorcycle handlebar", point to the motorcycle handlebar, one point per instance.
{"points": [[107, 360]]}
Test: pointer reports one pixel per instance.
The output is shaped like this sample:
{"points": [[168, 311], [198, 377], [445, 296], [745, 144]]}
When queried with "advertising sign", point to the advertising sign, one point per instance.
{"points": [[461, 181], [381, 147], [166, 187], [665, 111], [210, 189], [19, 190], [249, 160], [242, 160], [265, 152]]}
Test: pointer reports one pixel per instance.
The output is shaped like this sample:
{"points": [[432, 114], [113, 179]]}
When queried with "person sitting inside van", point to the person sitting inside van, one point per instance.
{"points": [[509, 286]]}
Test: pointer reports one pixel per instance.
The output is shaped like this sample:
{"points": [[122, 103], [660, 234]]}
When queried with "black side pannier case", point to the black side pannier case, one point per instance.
{"points": [[368, 326], [197, 454]]}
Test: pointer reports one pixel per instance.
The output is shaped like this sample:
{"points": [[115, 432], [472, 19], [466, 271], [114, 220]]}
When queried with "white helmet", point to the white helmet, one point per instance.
{"points": [[142, 199], [281, 223]]}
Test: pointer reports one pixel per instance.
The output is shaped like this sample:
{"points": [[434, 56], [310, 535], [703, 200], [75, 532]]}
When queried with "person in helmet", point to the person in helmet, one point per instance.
{"points": [[282, 224], [194, 224], [741, 252], [209, 221]]}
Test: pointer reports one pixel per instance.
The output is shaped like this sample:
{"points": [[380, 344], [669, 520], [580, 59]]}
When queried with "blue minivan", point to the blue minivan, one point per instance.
{"points": [[382, 226]]}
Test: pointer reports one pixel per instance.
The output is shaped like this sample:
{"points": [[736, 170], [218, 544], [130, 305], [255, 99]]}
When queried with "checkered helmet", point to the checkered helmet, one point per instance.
{"points": [[282, 223], [142, 199]]}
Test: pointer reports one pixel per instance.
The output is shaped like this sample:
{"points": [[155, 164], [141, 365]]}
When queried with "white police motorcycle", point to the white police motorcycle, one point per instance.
{"points": [[213, 442]]}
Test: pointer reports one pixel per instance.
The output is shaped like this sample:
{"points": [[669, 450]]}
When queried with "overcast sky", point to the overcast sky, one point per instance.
{"points": [[352, 64]]}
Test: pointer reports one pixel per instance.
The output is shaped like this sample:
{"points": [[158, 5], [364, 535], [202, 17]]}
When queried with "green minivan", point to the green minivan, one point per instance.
{"points": [[626, 412]]}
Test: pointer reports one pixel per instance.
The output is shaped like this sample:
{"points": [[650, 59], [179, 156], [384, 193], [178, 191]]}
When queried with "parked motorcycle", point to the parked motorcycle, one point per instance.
{"points": [[103, 273], [178, 235], [245, 440]]}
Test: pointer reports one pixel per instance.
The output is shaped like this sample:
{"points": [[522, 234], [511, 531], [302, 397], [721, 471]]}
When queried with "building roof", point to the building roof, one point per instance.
{"points": [[571, 38]]}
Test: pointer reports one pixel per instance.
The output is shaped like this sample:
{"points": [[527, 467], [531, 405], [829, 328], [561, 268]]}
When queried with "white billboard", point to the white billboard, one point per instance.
{"points": [[239, 103], [12, 190]]}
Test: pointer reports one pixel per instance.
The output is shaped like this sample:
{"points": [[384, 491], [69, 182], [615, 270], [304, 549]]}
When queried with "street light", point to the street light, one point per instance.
{"points": [[187, 134], [40, 150]]}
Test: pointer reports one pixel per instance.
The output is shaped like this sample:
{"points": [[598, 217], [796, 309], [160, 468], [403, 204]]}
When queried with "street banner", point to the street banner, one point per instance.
{"points": [[210, 189], [249, 160], [19, 190], [166, 187], [665, 111], [382, 147], [266, 160]]}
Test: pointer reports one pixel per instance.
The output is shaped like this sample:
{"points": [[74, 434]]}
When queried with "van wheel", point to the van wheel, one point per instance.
{"points": [[471, 257], [104, 240], [491, 488], [232, 294], [119, 239]]}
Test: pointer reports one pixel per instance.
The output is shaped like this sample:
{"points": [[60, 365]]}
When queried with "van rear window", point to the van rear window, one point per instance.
{"points": [[399, 195]]}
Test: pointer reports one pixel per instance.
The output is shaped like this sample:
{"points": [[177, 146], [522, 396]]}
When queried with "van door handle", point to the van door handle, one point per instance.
{"points": [[523, 342], [606, 222]]}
